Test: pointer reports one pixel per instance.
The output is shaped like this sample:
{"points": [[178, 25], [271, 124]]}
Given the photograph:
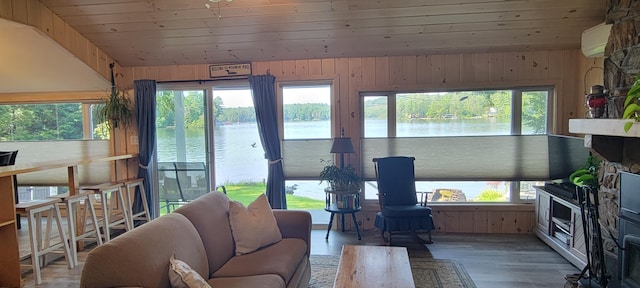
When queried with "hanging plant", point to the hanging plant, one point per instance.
{"points": [[117, 106]]}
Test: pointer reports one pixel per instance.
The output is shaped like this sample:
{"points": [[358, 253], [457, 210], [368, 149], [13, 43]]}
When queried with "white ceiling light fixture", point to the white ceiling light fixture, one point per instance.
{"points": [[208, 6]]}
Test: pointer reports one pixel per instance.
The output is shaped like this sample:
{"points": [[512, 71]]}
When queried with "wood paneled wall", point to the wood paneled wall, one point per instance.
{"points": [[456, 218], [559, 68], [563, 69]]}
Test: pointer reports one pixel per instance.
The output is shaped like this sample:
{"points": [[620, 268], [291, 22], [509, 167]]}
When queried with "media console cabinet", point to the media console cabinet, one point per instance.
{"points": [[559, 225]]}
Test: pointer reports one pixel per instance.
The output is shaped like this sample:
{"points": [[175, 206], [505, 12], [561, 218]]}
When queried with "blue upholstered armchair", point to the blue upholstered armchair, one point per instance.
{"points": [[400, 210]]}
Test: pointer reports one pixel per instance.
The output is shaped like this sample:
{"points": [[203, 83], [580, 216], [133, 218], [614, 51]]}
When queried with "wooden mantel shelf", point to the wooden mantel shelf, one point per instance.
{"points": [[607, 138], [605, 127]]}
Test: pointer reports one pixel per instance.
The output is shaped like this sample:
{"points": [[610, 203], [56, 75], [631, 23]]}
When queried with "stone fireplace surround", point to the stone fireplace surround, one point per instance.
{"points": [[609, 206], [621, 65]]}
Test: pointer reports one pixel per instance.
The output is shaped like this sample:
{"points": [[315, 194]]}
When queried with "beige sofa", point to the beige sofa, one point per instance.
{"points": [[199, 234]]}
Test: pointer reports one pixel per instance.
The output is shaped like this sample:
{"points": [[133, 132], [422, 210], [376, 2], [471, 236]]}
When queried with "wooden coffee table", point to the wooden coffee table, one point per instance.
{"points": [[373, 266]]}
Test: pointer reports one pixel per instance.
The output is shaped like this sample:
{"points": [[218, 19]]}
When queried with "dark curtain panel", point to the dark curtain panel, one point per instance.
{"points": [[263, 92], [145, 94]]}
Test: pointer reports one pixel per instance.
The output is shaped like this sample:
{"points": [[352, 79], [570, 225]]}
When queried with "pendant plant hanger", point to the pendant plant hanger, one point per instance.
{"points": [[117, 106]]}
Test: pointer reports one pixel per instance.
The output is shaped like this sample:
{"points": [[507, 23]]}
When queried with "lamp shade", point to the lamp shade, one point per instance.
{"points": [[342, 145]]}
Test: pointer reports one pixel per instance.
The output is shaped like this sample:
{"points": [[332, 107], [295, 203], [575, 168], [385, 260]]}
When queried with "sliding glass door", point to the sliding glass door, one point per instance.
{"points": [[240, 165], [207, 139], [183, 170]]}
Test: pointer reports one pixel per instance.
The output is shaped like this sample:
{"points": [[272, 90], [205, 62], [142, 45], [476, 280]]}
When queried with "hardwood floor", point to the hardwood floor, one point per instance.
{"points": [[491, 260]]}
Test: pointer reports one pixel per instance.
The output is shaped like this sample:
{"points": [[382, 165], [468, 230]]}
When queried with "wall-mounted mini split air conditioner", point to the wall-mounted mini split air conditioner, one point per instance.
{"points": [[595, 39]]}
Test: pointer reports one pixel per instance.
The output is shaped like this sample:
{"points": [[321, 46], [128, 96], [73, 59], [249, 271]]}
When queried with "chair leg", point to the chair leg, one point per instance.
{"points": [[130, 192], [329, 227], [34, 229], [72, 213], [430, 241], [355, 222], [123, 204], [63, 238], [17, 200], [386, 237], [89, 208], [384, 230], [105, 217]]}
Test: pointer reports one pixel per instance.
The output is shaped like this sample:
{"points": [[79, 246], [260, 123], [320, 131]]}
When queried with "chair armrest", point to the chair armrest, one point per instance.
{"points": [[294, 224], [423, 197]]}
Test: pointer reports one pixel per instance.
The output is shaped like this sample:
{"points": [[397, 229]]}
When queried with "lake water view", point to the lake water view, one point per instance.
{"points": [[239, 157]]}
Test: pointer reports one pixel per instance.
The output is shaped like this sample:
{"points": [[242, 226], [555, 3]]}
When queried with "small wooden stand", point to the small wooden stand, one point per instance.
{"points": [[342, 202]]}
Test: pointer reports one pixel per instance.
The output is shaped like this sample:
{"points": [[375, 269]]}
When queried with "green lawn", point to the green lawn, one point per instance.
{"points": [[246, 193]]}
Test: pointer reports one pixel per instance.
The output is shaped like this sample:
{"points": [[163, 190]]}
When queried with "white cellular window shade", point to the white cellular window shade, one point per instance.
{"points": [[483, 158], [43, 151], [303, 159]]}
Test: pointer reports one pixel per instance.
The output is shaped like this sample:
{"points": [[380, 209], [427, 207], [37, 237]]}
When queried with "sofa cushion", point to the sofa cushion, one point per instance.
{"points": [[255, 281], [209, 214], [281, 258], [182, 276], [254, 226], [140, 257]]}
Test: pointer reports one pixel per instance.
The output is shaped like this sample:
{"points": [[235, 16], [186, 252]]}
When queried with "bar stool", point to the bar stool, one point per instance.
{"points": [[130, 192], [40, 246], [111, 196], [83, 231]]}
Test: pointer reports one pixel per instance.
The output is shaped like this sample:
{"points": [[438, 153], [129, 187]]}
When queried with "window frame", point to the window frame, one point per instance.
{"points": [[85, 100], [86, 106], [307, 179], [307, 83], [515, 122]]}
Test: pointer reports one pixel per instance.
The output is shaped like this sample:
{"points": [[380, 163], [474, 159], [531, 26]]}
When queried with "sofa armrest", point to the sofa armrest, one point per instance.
{"points": [[295, 224]]}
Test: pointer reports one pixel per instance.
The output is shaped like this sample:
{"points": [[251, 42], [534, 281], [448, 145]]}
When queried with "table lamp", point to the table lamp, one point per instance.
{"points": [[342, 145]]}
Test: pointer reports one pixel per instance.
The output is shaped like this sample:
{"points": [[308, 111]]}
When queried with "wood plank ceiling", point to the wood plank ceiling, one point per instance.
{"points": [[166, 32]]}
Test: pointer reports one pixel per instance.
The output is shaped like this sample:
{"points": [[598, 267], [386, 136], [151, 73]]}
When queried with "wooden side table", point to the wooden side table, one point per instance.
{"points": [[342, 202]]}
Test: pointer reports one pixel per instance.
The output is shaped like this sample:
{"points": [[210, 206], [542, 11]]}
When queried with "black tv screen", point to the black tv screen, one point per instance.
{"points": [[566, 155]]}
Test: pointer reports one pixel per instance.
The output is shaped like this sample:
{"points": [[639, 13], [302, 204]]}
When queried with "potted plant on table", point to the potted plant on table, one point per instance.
{"points": [[343, 185]]}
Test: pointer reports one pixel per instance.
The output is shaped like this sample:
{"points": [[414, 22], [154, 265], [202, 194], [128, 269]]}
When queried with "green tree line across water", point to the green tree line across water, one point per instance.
{"points": [[194, 111], [409, 106], [26, 122]]}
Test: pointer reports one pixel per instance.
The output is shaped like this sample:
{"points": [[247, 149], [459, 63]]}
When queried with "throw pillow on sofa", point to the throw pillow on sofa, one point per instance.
{"points": [[254, 226], [182, 276]]}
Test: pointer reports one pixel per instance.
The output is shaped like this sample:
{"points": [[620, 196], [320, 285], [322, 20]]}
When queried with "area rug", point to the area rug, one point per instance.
{"points": [[427, 272]]}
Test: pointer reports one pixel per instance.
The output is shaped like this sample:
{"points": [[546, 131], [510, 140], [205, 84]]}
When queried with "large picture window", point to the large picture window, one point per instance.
{"points": [[450, 119], [307, 133], [51, 121], [32, 127]]}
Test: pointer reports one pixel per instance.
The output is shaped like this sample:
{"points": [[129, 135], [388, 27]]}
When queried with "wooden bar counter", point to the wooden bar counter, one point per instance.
{"points": [[9, 249]]}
